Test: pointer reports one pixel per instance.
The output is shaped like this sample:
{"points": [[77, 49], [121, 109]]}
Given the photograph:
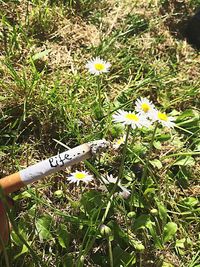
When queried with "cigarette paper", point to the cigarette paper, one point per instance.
{"points": [[43, 168]]}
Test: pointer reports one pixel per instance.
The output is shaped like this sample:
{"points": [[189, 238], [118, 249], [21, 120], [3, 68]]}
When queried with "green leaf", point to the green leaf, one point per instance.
{"points": [[136, 244], [180, 243], [67, 261], [150, 191], [156, 163], [40, 54], [163, 137], [16, 238], [2, 98], [123, 258], [162, 213], [157, 239], [120, 236], [24, 250], [169, 231], [23, 195], [22, 228], [185, 161], [157, 144], [141, 222], [189, 113], [58, 194], [189, 202], [43, 226], [167, 264], [189, 120], [136, 200], [91, 201], [197, 146], [63, 236]]}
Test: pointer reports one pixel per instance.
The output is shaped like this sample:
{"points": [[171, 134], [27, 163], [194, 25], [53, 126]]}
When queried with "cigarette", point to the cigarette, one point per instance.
{"points": [[14, 182]]}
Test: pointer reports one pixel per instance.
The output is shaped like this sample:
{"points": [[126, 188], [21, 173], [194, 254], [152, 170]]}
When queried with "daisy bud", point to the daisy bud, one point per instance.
{"points": [[154, 211], [105, 230]]}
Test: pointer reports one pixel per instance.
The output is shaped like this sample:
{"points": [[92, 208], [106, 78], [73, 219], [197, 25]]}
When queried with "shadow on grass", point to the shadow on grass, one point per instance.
{"points": [[182, 22]]}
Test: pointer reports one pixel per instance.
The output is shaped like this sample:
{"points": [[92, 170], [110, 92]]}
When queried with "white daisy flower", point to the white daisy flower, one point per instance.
{"points": [[163, 119], [144, 107], [109, 179], [97, 66], [125, 193], [80, 176], [130, 118], [118, 142]]}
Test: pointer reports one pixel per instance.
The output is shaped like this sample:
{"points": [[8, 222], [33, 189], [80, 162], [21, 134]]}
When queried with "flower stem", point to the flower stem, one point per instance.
{"points": [[110, 199], [121, 169], [144, 175], [98, 94], [107, 209], [110, 252], [81, 189]]}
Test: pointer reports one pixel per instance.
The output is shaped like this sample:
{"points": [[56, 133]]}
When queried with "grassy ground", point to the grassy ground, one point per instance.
{"points": [[47, 94]]}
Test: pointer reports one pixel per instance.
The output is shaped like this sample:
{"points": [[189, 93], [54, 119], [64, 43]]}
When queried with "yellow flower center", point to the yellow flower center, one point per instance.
{"points": [[162, 116], [99, 66], [80, 175], [120, 141], [132, 117], [145, 107]]}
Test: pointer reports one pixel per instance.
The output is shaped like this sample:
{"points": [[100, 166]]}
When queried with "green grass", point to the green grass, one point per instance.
{"points": [[47, 94]]}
